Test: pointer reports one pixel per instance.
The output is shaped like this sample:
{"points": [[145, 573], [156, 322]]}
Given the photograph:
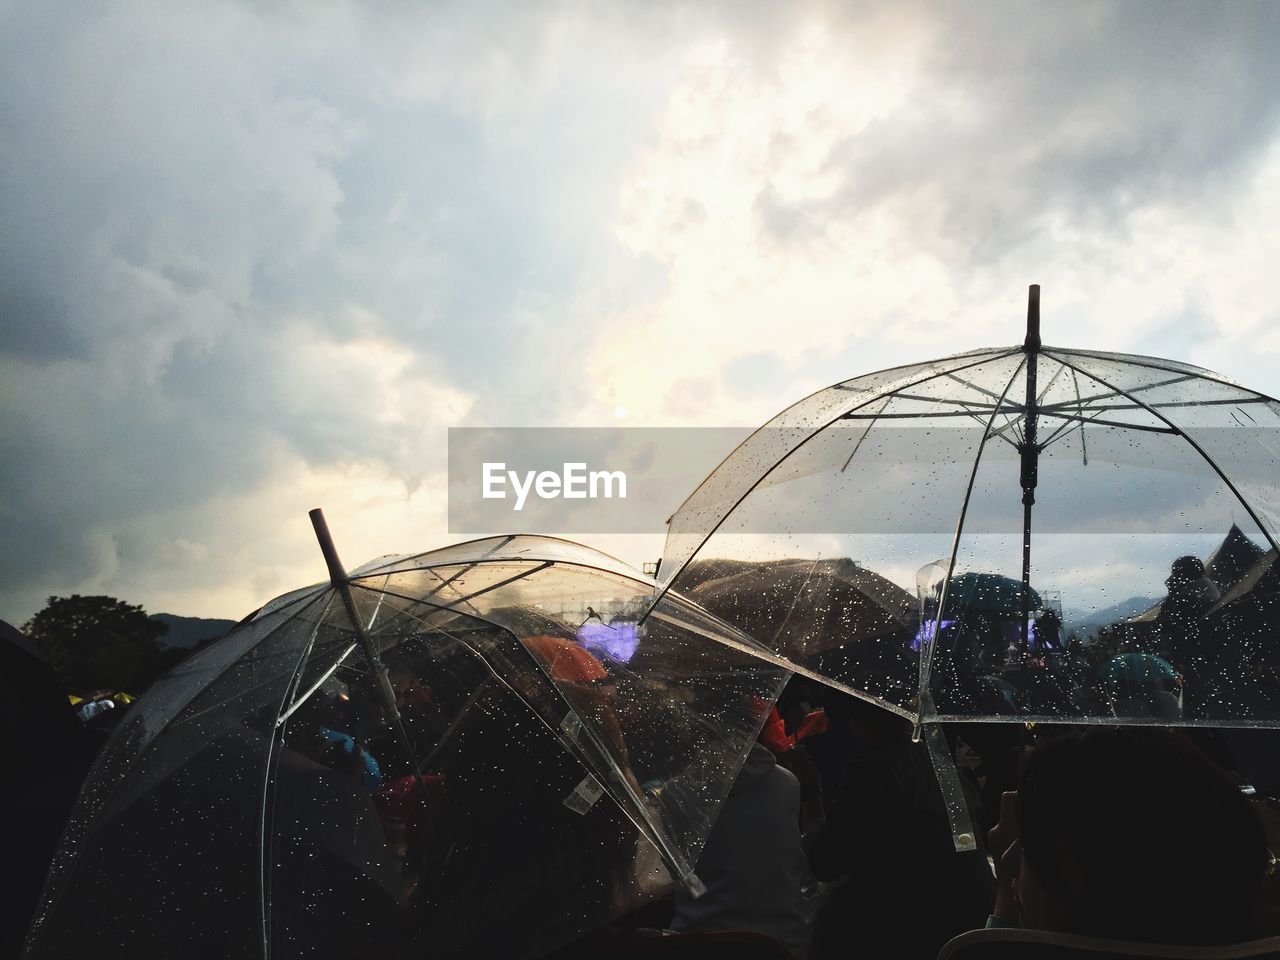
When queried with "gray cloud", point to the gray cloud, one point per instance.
{"points": [[1024, 115], [208, 213], [231, 234]]}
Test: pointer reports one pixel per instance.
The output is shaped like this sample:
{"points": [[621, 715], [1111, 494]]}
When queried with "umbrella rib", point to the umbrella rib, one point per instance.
{"points": [[1107, 720], [1000, 432], [857, 446], [450, 606], [485, 557], [444, 583], [969, 404], [971, 409], [632, 574], [1079, 401], [1084, 448], [1015, 423], [1138, 361], [1071, 417], [926, 662], [382, 593], [1195, 446], [436, 607], [1067, 426], [1011, 425], [978, 356], [471, 596], [385, 591], [1169, 404], [1049, 386], [796, 599], [221, 704], [505, 539], [452, 728], [922, 415], [973, 386], [178, 718], [299, 701], [268, 784], [1039, 406], [1065, 429], [377, 607], [662, 592], [1052, 410]]}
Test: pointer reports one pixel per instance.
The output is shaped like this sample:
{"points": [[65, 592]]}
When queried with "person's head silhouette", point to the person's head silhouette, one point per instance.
{"points": [[1135, 835]]}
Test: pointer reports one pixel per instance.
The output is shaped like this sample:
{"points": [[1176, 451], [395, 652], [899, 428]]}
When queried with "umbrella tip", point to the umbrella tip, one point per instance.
{"points": [[337, 574], [1033, 318]]}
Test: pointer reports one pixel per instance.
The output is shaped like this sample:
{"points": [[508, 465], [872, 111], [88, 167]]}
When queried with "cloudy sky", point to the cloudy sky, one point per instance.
{"points": [[256, 258]]}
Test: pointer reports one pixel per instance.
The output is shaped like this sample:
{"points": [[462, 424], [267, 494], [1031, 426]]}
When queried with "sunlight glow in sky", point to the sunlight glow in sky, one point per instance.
{"points": [[257, 259]]}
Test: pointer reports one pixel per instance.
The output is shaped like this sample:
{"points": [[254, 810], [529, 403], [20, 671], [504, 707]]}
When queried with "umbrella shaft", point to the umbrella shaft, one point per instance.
{"points": [[1030, 460], [1025, 629]]}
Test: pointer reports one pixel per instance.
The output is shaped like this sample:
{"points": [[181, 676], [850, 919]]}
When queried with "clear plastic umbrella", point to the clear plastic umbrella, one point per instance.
{"points": [[1050, 509], [477, 750]]}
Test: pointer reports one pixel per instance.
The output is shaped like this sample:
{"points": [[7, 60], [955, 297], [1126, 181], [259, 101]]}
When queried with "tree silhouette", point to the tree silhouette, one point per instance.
{"points": [[96, 643]]}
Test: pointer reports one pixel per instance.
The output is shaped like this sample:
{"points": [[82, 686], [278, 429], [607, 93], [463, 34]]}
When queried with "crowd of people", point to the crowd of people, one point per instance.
{"points": [[1187, 658], [1128, 834], [458, 821]]}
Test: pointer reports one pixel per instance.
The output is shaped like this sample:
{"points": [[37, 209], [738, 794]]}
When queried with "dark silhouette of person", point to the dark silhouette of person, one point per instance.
{"points": [[900, 888], [753, 864], [1191, 594], [524, 856], [49, 752], [1132, 835], [1047, 631]]}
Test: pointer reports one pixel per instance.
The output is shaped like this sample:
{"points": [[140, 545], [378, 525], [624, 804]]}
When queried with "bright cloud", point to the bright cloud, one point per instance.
{"points": [[256, 259]]}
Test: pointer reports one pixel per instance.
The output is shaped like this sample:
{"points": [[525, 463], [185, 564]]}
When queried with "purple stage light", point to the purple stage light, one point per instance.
{"points": [[617, 641]]}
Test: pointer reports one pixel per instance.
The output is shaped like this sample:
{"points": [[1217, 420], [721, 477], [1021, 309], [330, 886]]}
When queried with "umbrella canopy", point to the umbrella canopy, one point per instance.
{"points": [[1019, 493], [1138, 669], [817, 614], [422, 758], [989, 592]]}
